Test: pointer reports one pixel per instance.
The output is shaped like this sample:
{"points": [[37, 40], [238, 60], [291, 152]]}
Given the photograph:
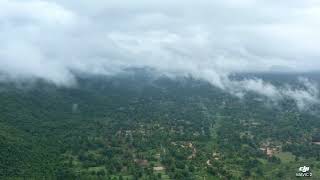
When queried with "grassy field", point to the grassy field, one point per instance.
{"points": [[286, 157]]}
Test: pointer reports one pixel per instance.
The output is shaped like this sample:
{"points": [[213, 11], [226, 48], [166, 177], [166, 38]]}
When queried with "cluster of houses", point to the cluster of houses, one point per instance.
{"points": [[269, 149]]}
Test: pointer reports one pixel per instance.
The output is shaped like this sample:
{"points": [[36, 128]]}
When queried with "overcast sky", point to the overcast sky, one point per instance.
{"points": [[207, 39]]}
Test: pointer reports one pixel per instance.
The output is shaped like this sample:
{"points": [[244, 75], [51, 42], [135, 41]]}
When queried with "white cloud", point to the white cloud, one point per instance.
{"points": [[206, 39]]}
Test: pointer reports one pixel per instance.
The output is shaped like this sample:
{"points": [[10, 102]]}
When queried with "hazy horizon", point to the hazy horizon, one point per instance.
{"points": [[207, 40]]}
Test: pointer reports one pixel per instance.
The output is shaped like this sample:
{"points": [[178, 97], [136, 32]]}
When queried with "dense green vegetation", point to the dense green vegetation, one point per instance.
{"points": [[136, 128]]}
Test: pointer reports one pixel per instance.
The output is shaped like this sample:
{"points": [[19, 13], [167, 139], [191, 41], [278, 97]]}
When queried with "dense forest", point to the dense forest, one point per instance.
{"points": [[139, 127]]}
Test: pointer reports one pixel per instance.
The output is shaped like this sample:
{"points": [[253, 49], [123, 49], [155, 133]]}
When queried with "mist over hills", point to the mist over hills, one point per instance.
{"points": [[152, 90], [301, 87], [53, 39], [56, 40]]}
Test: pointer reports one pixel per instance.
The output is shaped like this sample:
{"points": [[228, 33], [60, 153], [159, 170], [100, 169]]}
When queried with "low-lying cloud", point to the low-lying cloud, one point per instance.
{"points": [[206, 39], [305, 96]]}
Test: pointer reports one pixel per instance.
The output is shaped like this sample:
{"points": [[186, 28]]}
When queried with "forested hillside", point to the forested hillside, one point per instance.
{"points": [[144, 128]]}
